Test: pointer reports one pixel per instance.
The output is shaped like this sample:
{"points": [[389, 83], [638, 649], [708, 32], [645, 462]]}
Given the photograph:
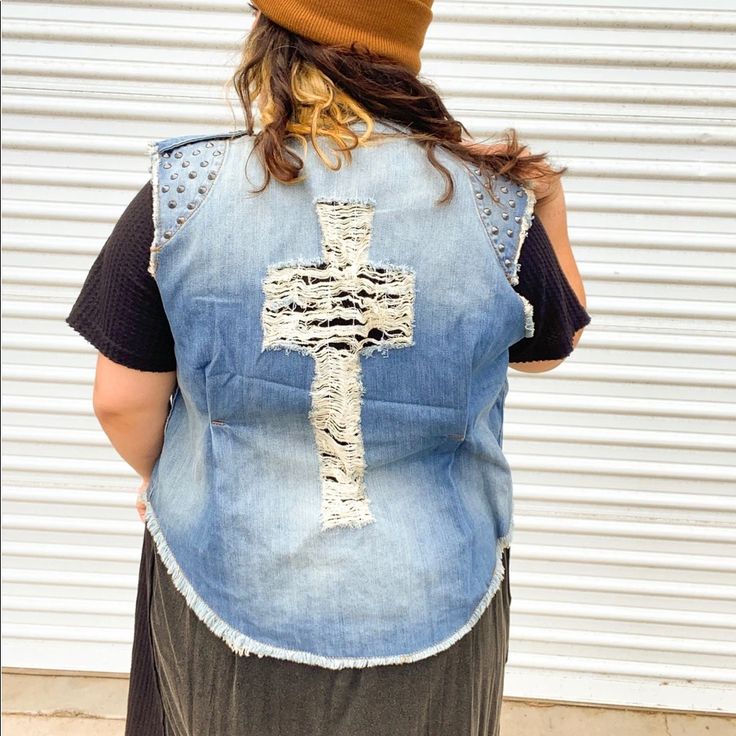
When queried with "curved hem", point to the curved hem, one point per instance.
{"points": [[245, 646]]}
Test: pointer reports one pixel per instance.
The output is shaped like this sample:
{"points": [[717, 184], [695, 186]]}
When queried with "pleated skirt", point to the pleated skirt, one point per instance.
{"points": [[185, 681]]}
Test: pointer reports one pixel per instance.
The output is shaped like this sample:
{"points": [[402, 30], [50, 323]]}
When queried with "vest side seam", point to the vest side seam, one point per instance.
{"points": [[244, 645]]}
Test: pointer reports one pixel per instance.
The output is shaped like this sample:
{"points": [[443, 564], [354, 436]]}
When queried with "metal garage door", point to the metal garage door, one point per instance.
{"points": [[624, 557]]}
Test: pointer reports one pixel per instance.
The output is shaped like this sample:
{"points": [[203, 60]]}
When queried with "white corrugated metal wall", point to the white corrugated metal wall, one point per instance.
{"points": [[624, 561]]}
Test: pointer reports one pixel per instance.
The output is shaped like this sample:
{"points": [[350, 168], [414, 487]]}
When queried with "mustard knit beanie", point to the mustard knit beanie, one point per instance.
{"points": [[393, 28]]}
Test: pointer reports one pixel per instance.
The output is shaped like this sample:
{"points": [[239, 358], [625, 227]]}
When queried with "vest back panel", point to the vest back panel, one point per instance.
{"points": [[332, 487]]}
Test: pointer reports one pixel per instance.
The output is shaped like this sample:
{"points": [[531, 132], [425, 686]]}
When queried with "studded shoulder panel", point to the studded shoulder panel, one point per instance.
{"points": [[507, 220], [183, 170]]}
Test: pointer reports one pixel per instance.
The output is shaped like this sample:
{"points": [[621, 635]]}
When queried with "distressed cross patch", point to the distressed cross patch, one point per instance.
{"points": [[336, 310]]}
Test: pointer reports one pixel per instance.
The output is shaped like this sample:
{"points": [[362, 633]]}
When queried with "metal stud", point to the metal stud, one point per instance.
{"points": [[166, 154], [479, 195], [507, 261], [202, 189], [178, 154], [174, 176], [191, 205], [212, 175], [204, 163], [181, 219], [512, 203], [517, 219], [165, 188], [184, 164], [494, 230], [172, 203], [486, 210], [216, 153], [477, 171], [192, 174], [167, 165], [180, 188], [509, 233], [504, 189], [168, 233], [505, 215], [519, 193], [196, 152], [210, 144], [501, 247]]}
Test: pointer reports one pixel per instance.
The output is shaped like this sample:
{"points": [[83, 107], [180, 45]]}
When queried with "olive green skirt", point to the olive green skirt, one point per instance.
{"points": [[185, 681]]}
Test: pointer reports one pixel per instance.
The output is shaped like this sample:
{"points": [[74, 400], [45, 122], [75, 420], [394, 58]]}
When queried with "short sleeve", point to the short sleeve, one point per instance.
{"points": [[558, 313], [119, 309]]}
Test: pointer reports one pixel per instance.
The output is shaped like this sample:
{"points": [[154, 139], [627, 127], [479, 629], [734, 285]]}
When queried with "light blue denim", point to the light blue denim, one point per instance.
{"points": [[394, 412]]}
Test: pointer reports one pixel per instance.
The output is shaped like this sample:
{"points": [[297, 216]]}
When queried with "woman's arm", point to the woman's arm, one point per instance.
{"points": [[120, 312], [131, 406]]}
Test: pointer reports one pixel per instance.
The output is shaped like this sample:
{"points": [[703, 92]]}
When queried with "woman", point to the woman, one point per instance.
{"points": [[326, 487]]}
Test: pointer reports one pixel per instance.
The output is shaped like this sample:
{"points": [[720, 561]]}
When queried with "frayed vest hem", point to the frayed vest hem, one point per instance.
{"points": [[244, 645]]}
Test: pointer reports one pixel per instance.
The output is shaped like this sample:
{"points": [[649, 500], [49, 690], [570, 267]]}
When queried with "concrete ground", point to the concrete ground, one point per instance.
{"points": [[83, 705]]}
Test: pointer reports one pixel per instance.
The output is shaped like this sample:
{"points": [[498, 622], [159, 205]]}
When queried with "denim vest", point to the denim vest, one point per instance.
{"points": [[332, 488]]}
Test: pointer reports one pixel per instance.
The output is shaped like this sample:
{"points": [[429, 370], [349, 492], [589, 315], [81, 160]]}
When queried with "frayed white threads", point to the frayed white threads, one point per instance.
{"points": [[528, 316], [334, 311], [153, 170], [244, 645], [526, 223]]}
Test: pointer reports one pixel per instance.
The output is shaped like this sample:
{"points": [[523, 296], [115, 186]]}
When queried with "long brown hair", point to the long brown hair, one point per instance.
{"points": [[309, 89]]}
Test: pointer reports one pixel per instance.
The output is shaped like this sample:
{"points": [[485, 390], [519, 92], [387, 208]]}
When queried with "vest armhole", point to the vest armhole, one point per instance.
{"points": [[153, 170], [527, 217]]}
